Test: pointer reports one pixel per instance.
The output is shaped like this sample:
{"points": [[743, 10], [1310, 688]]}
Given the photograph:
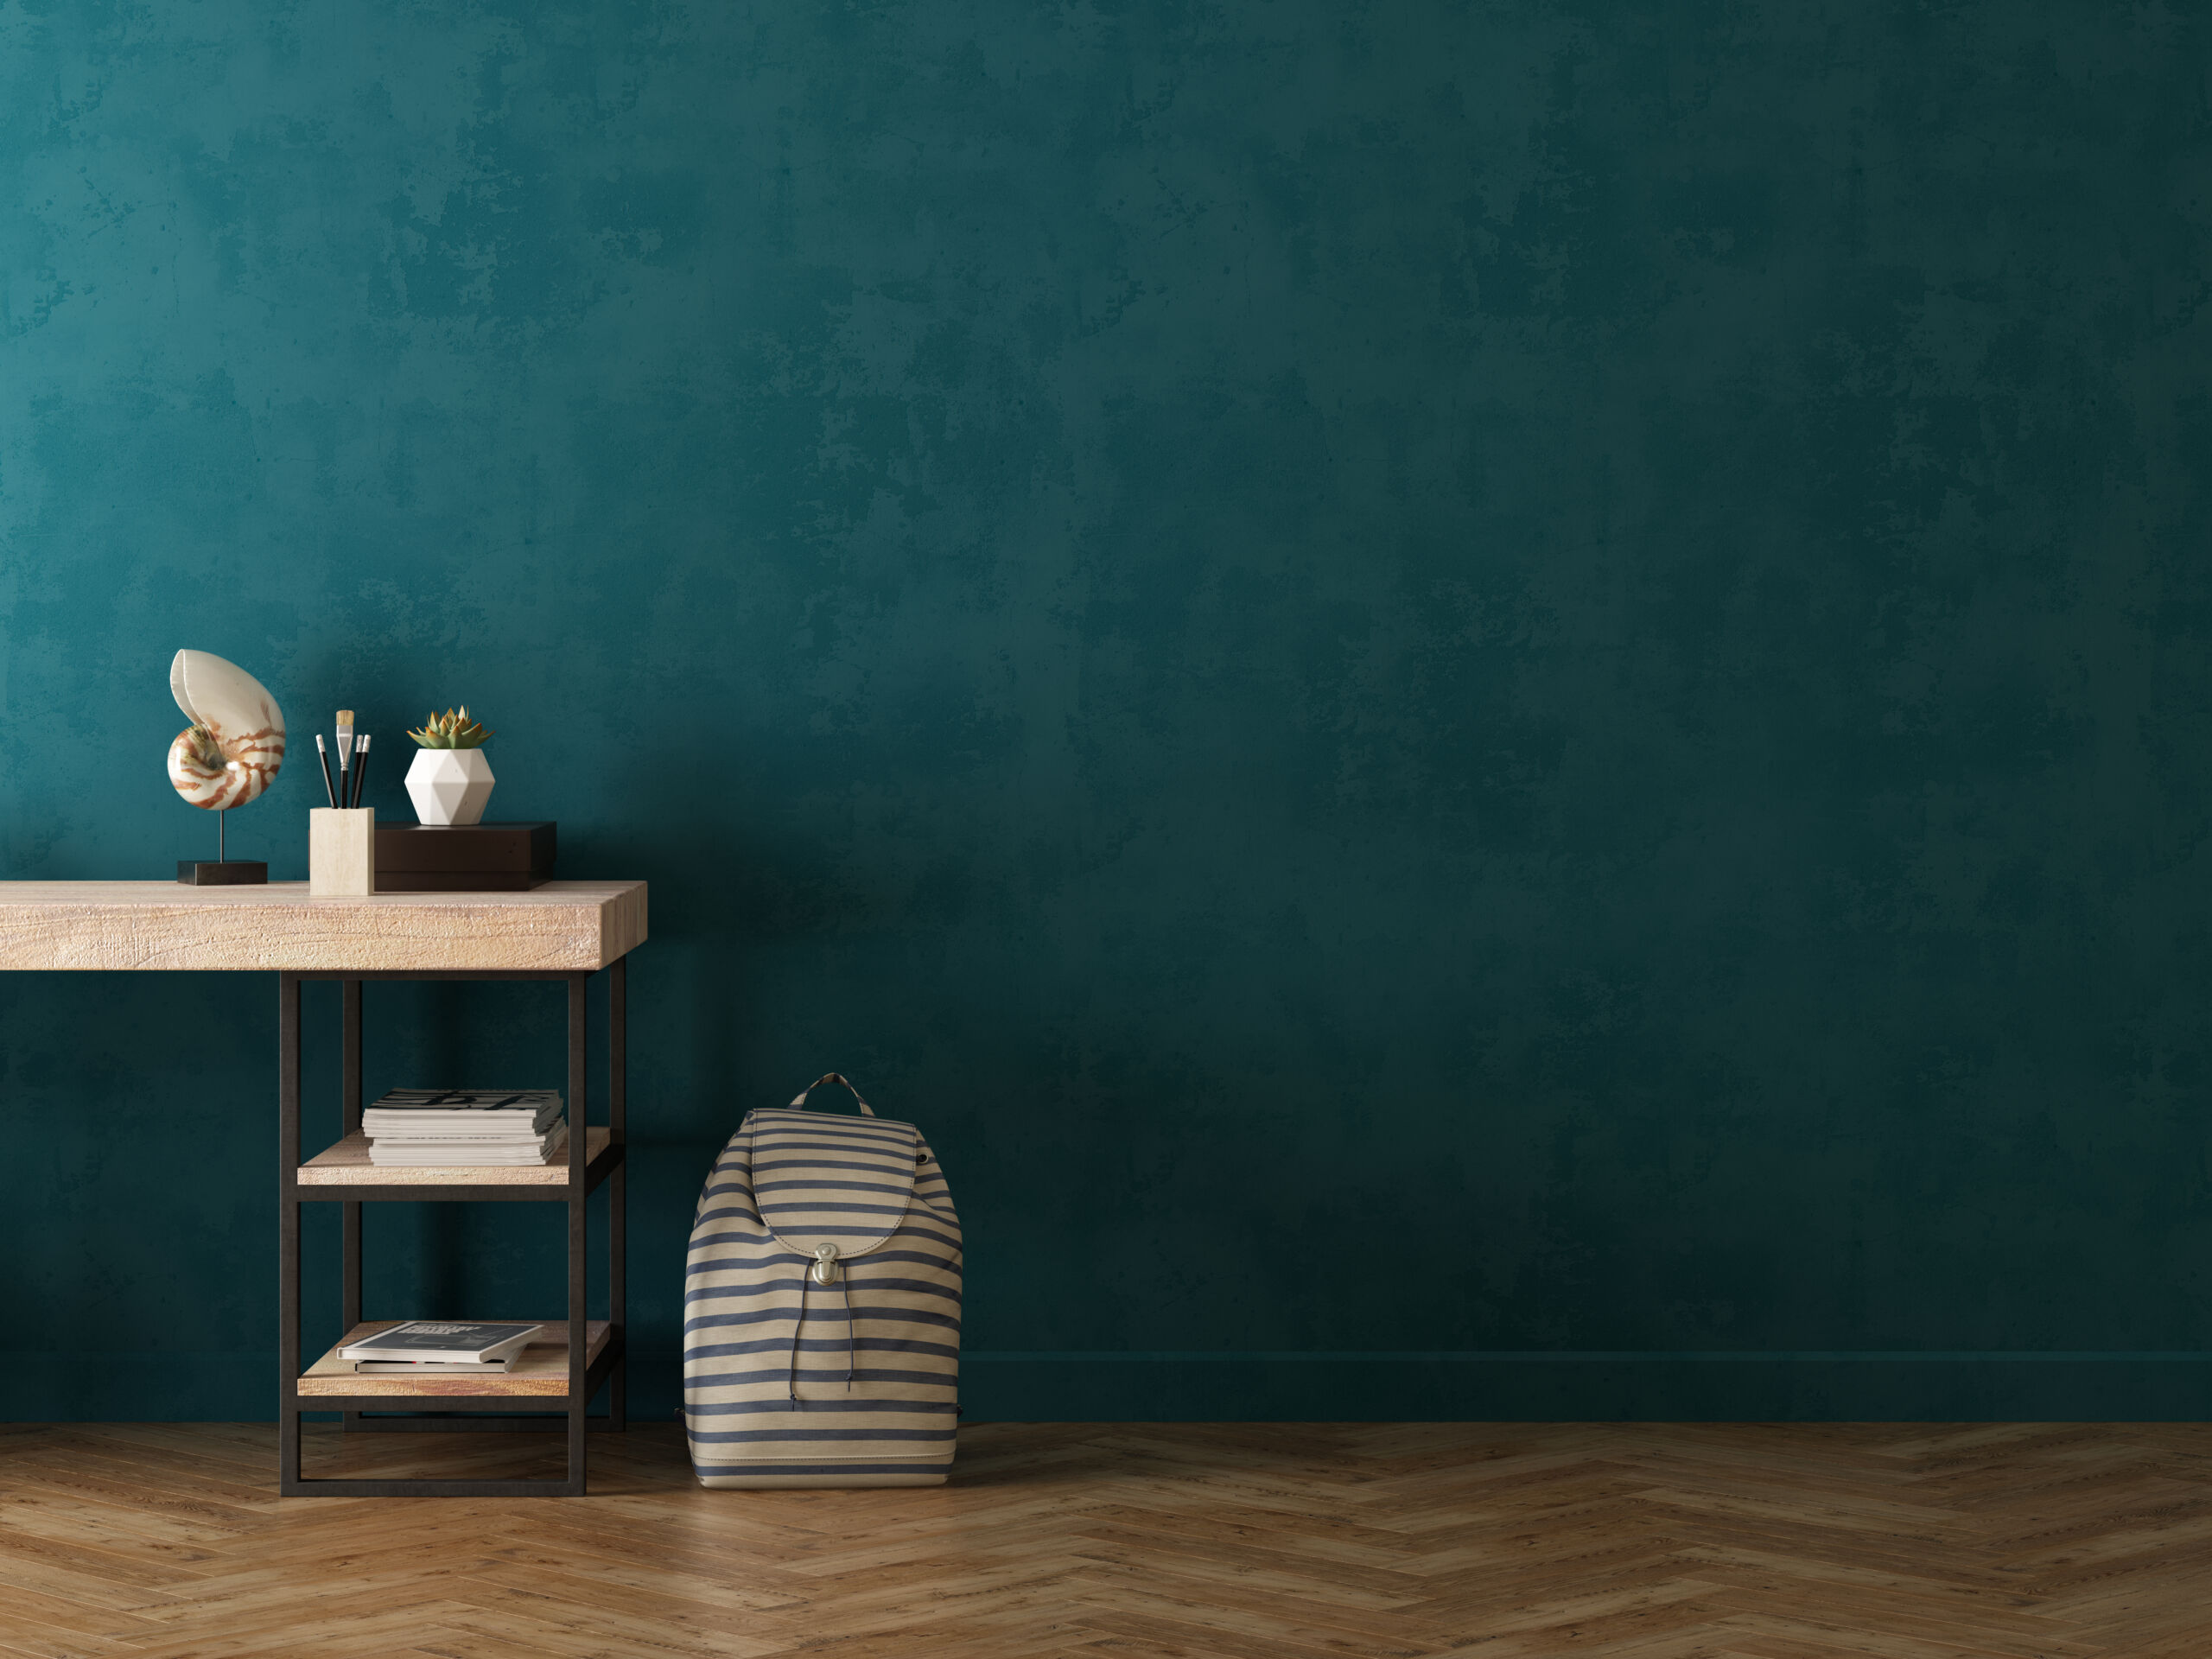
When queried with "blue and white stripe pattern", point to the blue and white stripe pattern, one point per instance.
{"points": [[790, 1381]]}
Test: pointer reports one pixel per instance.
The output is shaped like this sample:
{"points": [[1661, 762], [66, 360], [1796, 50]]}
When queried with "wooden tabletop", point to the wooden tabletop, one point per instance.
{"points": [[562, 927]]}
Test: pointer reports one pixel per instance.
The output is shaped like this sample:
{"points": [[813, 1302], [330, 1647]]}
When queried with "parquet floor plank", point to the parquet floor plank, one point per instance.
{"points": [[1357, 1588], [1383, 1541], [468, 1644], [1654, 1599], [575, 1633], [1802, 1638], [346, 1630], [1851, 1580], [1904, 1554], [738, 1594], [675, 1607], [1219, 1638], [959, 1586], [158, 1513], [1322, 1538], [66, 1619], [1094, 1646], [26, 1638], [2012, 1632], [236, 1469], [27, 1574], [32, 1509], [270, 1603], [106, 1542]]}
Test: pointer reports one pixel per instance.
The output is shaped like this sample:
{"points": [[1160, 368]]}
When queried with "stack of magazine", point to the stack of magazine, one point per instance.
{"points": [[427, 1127], [439, 1347]]}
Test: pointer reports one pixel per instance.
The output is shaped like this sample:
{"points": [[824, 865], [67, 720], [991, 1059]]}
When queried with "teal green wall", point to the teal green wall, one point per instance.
{"points": [[1492, 709]]}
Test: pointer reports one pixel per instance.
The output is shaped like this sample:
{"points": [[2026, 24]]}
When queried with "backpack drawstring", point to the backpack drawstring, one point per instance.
{"points": [[825, 1260], [852, 1335]]}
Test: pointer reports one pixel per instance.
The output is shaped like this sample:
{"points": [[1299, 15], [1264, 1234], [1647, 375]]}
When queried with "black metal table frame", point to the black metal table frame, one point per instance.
{"points": [[462, 1412]]}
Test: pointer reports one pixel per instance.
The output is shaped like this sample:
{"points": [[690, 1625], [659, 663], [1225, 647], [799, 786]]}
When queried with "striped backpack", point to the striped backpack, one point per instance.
{"points": [[822, 1306]]}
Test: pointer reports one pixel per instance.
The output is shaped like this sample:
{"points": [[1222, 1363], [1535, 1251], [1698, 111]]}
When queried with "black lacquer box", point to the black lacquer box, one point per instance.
{"points": [[229, 873], [464, 858]]}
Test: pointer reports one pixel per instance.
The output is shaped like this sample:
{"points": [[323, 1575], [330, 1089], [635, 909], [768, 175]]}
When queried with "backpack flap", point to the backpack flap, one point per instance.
{"points": [[832, 1188]]}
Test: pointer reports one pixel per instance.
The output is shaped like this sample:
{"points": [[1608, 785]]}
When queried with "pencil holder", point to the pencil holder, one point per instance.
{"points": [[341, 852]]}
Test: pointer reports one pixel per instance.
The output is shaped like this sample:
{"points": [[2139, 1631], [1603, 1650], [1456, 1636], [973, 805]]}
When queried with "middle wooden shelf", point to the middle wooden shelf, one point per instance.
{"points": [[344, 1170]]}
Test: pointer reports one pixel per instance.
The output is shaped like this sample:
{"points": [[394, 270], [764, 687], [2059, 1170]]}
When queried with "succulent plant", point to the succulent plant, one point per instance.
{"points": [[451, 730]]}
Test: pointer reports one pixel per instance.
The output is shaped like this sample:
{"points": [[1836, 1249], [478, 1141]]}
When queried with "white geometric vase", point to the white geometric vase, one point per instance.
{"points": [[449, 786]]}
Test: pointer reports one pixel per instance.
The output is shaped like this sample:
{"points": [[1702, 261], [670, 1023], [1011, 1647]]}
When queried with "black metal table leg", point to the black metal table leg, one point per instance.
{"points": [[579, 1115], [618, 1105], [287, 1236], [350, 1123]]}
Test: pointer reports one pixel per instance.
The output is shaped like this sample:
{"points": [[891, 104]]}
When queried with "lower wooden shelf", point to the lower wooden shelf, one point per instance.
{"points": [[542, 1371]]}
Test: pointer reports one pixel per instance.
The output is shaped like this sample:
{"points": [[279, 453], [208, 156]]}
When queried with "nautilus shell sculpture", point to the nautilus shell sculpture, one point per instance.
{"points": [[235, 744]]}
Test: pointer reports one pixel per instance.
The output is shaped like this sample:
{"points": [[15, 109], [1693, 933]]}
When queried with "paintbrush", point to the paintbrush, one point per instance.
{"points": [[361, 768], [323, 755], [344, 753]]}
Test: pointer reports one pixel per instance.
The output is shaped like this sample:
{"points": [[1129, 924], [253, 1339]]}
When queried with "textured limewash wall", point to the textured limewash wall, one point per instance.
{"points": [[1487, 706]]}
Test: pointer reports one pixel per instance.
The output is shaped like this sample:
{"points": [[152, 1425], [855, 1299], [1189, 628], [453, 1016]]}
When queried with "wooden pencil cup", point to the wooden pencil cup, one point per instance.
{"points": [[341, 852]]}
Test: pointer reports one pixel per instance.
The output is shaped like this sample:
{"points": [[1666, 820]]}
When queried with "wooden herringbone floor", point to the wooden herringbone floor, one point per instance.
{"points": [[1135, 1542]]}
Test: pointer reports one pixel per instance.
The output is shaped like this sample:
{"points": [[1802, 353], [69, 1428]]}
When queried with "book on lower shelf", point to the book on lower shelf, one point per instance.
{"points": [[429, 1128], [432, 1368], [401, 1348]]}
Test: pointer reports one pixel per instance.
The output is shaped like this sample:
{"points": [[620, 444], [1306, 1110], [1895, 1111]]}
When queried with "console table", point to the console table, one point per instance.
{"points": [[564, 931]]}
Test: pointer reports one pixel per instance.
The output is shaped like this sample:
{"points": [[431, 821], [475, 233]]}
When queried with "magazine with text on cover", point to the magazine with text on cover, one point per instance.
{"points": [[487, 1112], [447, 1341]]}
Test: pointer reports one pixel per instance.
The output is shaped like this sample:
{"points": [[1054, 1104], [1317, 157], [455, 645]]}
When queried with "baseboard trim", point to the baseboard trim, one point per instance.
{"points": [[1719, 1386], [1305, 1386], [95, 1387]]}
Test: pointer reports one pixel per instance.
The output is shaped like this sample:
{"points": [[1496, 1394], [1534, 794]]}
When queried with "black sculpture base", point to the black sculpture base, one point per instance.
{"points": [[233, 873]]}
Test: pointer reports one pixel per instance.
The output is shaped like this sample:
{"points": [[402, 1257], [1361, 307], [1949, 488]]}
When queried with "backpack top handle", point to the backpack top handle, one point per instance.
{"points": [[798, 1101]]}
